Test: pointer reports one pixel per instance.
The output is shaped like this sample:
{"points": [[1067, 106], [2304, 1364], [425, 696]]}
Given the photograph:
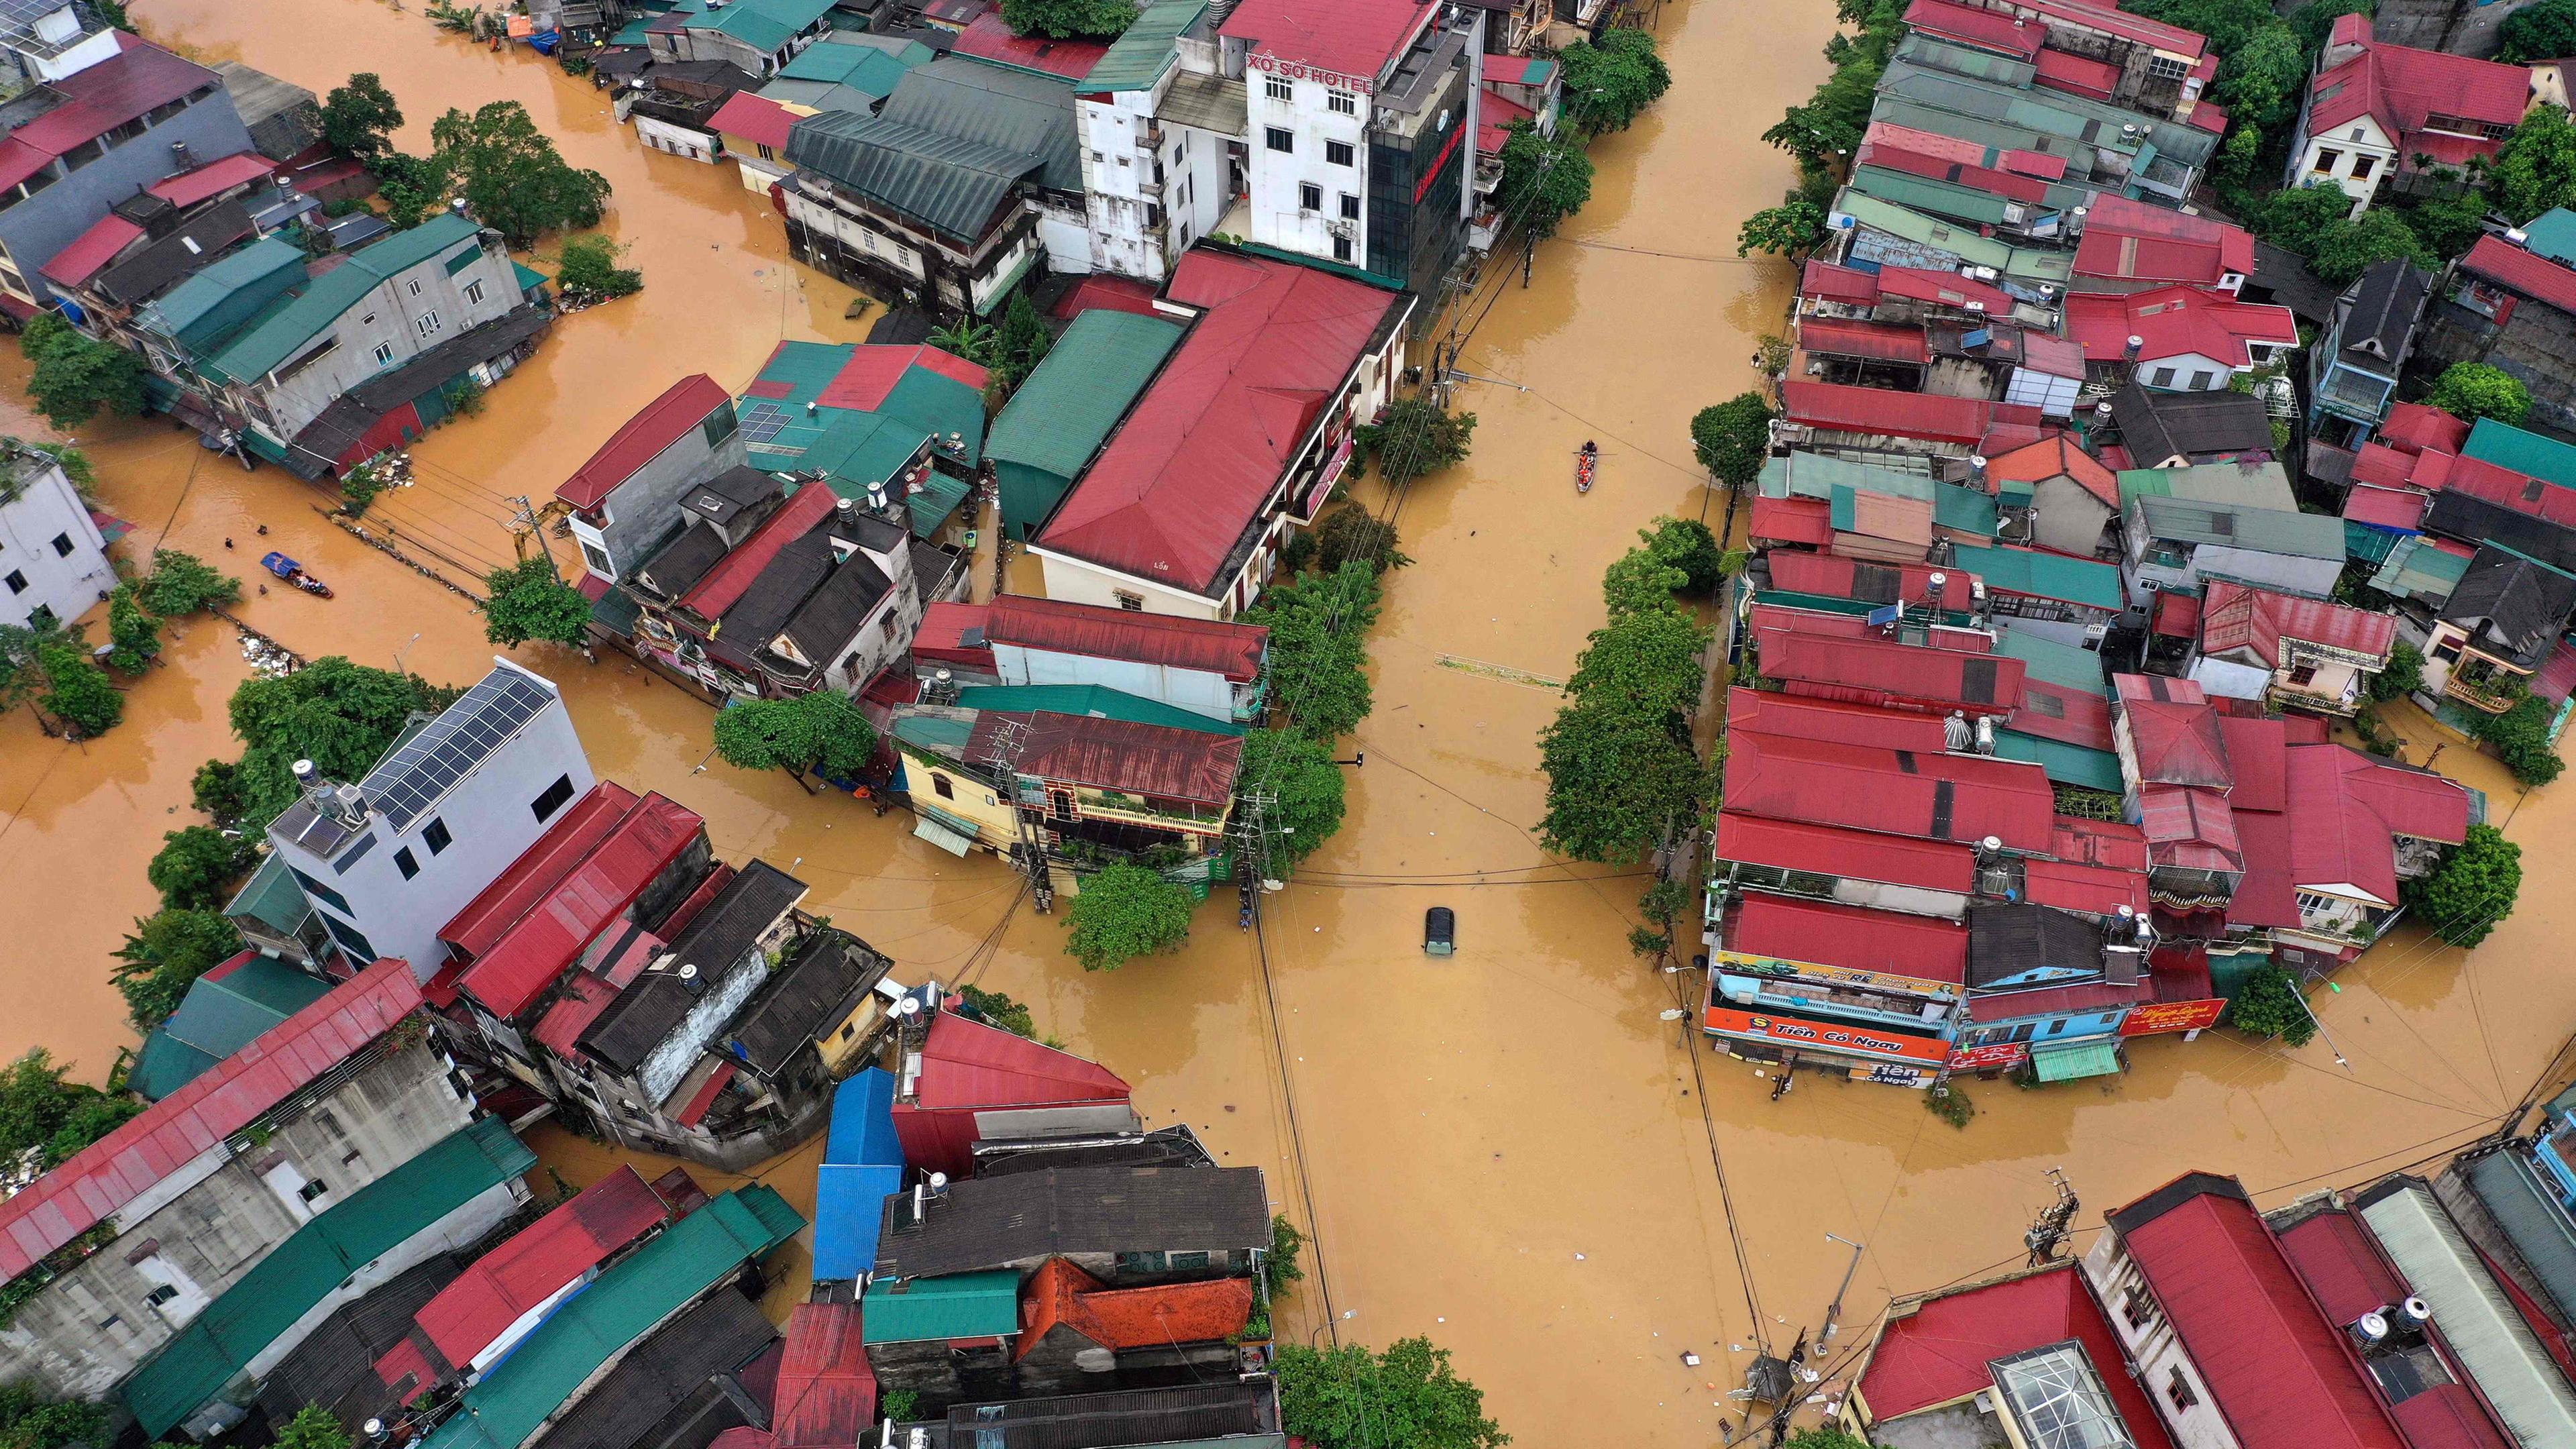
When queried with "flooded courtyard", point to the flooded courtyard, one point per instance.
{"points": [[1509, 1150]]}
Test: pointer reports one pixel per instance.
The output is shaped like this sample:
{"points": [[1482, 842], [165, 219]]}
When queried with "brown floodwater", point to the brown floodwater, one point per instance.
{"points": [[1507, 1149]]}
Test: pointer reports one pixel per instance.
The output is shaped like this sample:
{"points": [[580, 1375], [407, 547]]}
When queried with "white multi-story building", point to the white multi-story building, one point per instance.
{"points": [[1161, 134], [53, 561]]}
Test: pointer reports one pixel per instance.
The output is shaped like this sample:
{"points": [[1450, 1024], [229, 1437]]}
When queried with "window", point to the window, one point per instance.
{"points": [[436, 836], [406, 862], [2202, 380], [414, 285], [1179, 1261], [1140, 1262], [322, 893], [598, 560], [428, 324], [1350, 207], [2303, 674], [1279, 138], [351, 940], [62, 545], [2166, 67], [720, 425], [384, 354], [2327, 159], [1278, 88], [1341, 249], [367, 321], [1310, 197], [553, 799], [1132, 603], [2362, 166], [2161, 377], [942, 788], [311, 1190], [2139, 1308], [2178, 1389], [1345, 103], [474, 291], [110, 1321], [18, 584], [160, 1294], [1338, 152]]}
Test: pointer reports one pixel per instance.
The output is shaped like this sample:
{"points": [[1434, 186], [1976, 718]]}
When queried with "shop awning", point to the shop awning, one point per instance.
{"points": [[2084, 1059], [941, 836]]}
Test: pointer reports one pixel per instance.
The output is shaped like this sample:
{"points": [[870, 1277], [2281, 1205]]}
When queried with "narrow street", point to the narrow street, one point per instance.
{"points": [[1509, 1149]]}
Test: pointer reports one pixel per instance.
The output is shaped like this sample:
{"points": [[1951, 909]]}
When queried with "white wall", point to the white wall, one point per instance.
{"points": [[2352, 141], [1117, 168], [1307, 114], [2148, 372], [34, 571], [675, 140], [1080, 582], [1195, 690], [2156, 1349], [2235, 681]]}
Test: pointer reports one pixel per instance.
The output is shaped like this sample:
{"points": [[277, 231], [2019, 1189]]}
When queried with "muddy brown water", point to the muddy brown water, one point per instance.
{"points": [[1507, 1149]]}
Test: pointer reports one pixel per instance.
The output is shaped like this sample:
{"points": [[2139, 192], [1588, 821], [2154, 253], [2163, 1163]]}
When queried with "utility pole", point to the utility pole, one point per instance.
{"points": [[1834, 1312], [2047, 1234], [1003, 754], [527, 518]]}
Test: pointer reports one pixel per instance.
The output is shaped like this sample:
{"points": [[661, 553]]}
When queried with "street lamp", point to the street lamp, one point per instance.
{"points": [[1834, 1311], [2302, 998]]}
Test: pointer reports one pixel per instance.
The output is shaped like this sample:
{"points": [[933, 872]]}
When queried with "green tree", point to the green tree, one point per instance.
{"points": [[1126, 911], [2542, 31], [1348, 1398], [1000, 1010], [977, 342], [313, 1427], [1618, 757], [1792, 229], [1415, 438], [75, 376], [2269, 1004], [2238, 163], [1279, 1265], [1639, 580], [339, 715], [196, 867], [131, 629], [360, 118], [2227, 23], [1020, 343], [181, 584], [823, 730], [2520, 738], [1826, 1437], [529, 600], [2447, 225], [216, 791], [1688, 545], [2474, 390], [512, 177], [1664, 901], [413, 188], [77, 691], [1545, 178], [2346, 249], [1063, 19], [1305, 786], [1733, 438], [1610, 80], [2315, 19], [588, 268], [22, 670], [2403, 676], [75, 463], [1318, 625], [28, 1420], [2295, 219], [164, 955], [2261, 79], [2535, 168], [2471, 889], [1355, 535], [40, 1109], [358, 489]]}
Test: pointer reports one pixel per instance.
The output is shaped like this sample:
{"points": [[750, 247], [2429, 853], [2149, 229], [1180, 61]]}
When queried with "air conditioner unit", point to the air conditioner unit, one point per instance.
{"points": [[1347, 230]]}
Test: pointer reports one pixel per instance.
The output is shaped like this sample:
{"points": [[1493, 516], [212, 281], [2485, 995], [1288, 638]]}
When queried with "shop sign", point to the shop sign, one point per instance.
{"points": [[1993, 1056], [1293, 70], [1776, 968], [1829, 1036], [2161, 1016]]}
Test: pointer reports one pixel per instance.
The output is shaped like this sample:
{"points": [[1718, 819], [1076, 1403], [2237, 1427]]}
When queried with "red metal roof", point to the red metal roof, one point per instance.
{"points": [[2098, 842], [2534, 276], [2257, 757], [140, 78], [2173, 321], [212, 179], [539, 1261], [2557, 678], [2135, 241], [1118, 294], [1845, 338], [755, 118], [874, 368], [2399, 510], [946, 627], [1157, 1316], [2055, 1001], [2344, 808], [1823, 849], [2508, 489], [1961, 798], [734, 574], [1948, 289], [2069, 716], [1791, 520], [2332, 1254], [2057, 457], [2111, 20], [1834, 407], [1959, 173], [584, 1001], [1847, 285], [1869, 671], [664, 421], [992, 38], [534, 951], [1833, 721], [2277, 1370], [1940, 1351], [2093, 889], [694, 1110], [1853, 937], [1155, 761], [1356, 38], [91, 250], [2173, 731], [968, 1065], [1840, 578], [1206, 645], [2235, 616], [2414, 427], [827, 1392], [539, 869], [1986, 29], [1933, 143], [1203, 449], [2402, 89], [2059, 70], [103, 1177], [2264, 895], [2190, 829]]}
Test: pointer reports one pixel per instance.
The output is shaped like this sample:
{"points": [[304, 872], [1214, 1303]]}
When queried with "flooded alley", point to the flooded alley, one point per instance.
{"points": [[1510, 1149]]}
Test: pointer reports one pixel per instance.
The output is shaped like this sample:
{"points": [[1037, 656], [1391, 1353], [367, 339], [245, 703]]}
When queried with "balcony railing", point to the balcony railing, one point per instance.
{"points": [[2489, 694]]}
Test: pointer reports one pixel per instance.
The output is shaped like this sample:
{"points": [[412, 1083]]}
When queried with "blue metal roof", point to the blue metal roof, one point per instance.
{"points": [[849, 1206], [863, 1122]]}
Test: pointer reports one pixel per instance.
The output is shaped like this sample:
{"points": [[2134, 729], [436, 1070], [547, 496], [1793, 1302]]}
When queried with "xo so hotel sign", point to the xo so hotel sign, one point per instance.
{"points": [[1293, 70]]}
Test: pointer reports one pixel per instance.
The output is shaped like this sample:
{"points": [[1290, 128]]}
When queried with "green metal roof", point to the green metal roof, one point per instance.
{"points": [[1095, 700], [616, 611], [960, 1305], [2552, 234], [2416, 569], [760, 24], [861, 449], [228, 291], [938, 734], [2255, 485], [2063, 763], [1009, 109], [818, 96], [272, 898], [218, 1018], [528, 276], [1815, 475], [836, 61], [514, 1399], [292, 321], [1074, 399], [298, 1274], [2546, 459], [2228, 525], [2068, 1063], [2069, 666], [936, 498], [2043, 575], [950, 184], [1925, 194], [2019, 263], [1149, 46]]}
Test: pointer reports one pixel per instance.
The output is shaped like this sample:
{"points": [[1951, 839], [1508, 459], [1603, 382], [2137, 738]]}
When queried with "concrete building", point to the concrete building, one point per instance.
{"points": [[2512, 305], [1162, 137], [756, 36], [1202, 666], [386, 861], [2353, 369], [1360, 128], [626, 498], [2377, 112], [53, 559], [2181, 543]]}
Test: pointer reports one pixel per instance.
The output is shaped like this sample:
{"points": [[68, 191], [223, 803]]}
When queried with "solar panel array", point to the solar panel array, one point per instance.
{"points": [[426, 768], [762, 422]]}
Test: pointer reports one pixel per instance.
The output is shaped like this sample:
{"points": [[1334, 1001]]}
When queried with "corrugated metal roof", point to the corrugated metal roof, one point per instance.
{"points": [[516, 1398], [527, 958], [1853, 937], [1885, 672], [1140, 759], [1798, 717], [2069, 665], [1825, 850], [1073, 401], [2043, 575], [849, 1208], [470, 1314], [539, 868], [2066, 764], [1146, 49], [1960, 798], [827, 1390], [287, 325], [969, 1065], [1940, 1352], [1095, 701], [2512, 1368], [1207, 645], [681, 408], [959, 1305], [955, 186], [1012, 110], [113, 1171], [2530, 453], [293, 1279], [225, 1010]]}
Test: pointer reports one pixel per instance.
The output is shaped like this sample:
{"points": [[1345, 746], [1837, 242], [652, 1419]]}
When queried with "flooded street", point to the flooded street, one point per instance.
{"points": [[1508, 1149]]}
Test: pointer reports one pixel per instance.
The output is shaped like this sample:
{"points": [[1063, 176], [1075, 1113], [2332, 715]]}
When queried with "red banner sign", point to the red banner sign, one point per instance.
{"points": [[1994, 1056], [1831, 1036], [2161, 1016], [1294, 70]]}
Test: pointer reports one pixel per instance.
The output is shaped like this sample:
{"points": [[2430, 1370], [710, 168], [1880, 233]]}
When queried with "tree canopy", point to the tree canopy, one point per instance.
{"points": [[2343, 250], [360, 118], [1020, 343], [1346, 1397], [39, 1108], [1319, 625], [28, 1420], [529, 600], [1063, 19], [512, 177], [196, 867], [1305, 789], [77, 691], [2535, 168], [2473, 888], [1609, 81], [341, 716], [182, 583], [1123, 912], [1416, 438], [2545, 30], [1733, 438], [2520, 739], [823, 730], [313, 1427], [588, 268], [1792, 229], [1000, 1010], [74, 377], [1355, 535], [2473, 390], [1545, 178], [164, 955], [131, 629], [1618, 757]]}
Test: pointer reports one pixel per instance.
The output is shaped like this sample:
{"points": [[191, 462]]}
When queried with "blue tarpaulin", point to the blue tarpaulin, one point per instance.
{"points": [[862, 1164]]}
